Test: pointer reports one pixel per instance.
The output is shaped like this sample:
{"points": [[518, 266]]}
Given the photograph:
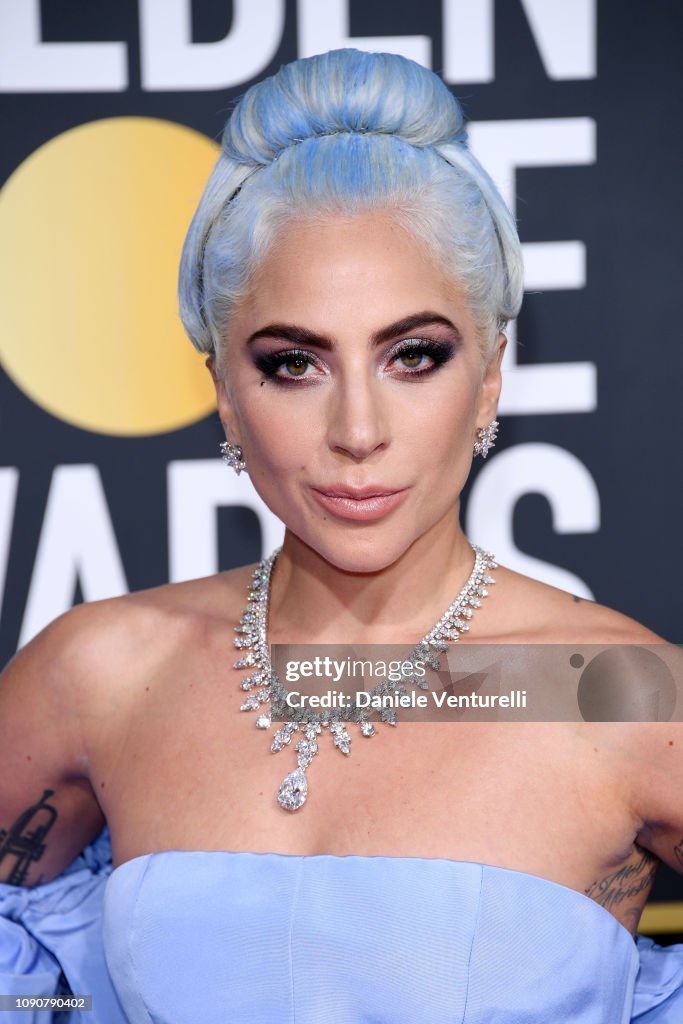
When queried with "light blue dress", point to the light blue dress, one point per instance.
{"points": [[198, 937]]}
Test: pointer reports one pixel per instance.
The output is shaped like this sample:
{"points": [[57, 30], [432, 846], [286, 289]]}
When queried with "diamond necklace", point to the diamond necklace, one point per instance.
{"points": [[269, 689]]}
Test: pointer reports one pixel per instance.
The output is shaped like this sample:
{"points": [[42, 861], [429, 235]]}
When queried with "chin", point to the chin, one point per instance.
{"points": [[366, 551]]}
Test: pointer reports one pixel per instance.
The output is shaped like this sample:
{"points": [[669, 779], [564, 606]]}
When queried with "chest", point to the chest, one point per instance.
{"points": [[191, 771]]}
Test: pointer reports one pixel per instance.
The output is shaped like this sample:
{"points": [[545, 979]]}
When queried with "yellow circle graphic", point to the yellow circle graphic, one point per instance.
{"points": [[91, 229]]}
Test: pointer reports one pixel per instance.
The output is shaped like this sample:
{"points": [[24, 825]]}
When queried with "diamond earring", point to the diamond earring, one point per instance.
{"points": [[233, 456], [486, 437]]}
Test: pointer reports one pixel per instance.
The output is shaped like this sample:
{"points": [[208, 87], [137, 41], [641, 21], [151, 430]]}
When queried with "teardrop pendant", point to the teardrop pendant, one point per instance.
{"points": [[293, 791], [264, 687]]}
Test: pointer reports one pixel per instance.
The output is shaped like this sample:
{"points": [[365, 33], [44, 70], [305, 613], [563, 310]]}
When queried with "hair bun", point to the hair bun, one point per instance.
{"points": [[344, 90]]}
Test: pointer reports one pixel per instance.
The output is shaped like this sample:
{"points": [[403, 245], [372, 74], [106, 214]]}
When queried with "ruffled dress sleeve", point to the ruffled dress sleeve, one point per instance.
{"points": [[658, 994], [51, 941]]}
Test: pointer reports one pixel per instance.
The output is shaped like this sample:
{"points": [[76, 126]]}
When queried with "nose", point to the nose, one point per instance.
{"points": [[358, 420]]}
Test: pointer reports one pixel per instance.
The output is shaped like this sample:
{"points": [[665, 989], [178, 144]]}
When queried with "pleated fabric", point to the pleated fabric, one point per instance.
{"points": [[51, 941]]}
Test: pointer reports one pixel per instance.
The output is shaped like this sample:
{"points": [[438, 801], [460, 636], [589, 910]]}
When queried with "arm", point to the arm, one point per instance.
{"points": [[51, 899], [654, 751], [660, 759], [48, 811]]}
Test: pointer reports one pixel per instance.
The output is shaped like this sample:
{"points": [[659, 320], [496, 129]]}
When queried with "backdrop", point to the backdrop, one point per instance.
{"points": [[109, 474]]}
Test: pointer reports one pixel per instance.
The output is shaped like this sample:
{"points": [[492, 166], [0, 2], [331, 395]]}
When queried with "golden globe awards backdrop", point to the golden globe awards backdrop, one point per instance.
{"points": [[110, 477]]}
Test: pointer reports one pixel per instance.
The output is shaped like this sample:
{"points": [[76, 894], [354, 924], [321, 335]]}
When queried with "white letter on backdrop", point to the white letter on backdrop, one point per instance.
{"points": [[77, 544], [325, 26], [196, 488], [9, 480], [502, 146], [27, 64], [564, 31], [544, 469], [171, 61]]}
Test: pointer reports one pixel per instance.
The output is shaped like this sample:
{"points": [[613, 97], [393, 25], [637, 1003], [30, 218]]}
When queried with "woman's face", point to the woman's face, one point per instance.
{"points": [[352, 379]]}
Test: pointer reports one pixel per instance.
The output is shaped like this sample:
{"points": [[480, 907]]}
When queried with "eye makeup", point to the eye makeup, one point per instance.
{"points": [[294, 362], [436, 352], [288, 367]]}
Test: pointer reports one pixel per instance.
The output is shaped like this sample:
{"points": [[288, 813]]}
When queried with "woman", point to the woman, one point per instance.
{"points": [[349, 273]]}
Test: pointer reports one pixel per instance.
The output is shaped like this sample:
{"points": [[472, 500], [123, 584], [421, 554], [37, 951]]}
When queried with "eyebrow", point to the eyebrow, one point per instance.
{"points": [[303, 336]]}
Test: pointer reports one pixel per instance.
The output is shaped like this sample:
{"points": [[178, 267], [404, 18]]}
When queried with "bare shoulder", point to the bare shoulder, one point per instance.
{"points": [[648, 754], [102, 649], [527, 610], [70, 696]]}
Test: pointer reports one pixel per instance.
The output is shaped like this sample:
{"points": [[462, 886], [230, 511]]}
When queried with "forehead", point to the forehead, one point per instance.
{"points": [[366, 269]]}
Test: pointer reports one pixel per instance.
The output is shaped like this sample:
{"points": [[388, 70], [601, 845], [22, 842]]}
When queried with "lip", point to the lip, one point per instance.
{"points": [[359, 504]]}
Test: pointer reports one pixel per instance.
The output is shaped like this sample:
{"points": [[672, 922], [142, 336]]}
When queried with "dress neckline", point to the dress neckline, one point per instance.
{"points": [[526, 875]]}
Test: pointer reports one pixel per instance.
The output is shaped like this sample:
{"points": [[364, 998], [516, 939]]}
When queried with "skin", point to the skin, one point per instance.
{"points": [[151, 738], [358, 415]]}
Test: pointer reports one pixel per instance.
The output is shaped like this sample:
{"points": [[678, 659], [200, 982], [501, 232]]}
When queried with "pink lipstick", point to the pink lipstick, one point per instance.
{"points": [[359, 504]]}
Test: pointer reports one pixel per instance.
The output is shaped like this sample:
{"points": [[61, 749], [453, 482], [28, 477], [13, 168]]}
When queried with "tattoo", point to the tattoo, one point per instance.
{"points": [[26, 844], [678, 852], [575, 598], [626, 883]]}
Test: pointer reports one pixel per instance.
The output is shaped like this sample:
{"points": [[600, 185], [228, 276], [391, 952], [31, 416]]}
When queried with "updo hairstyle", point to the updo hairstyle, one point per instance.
{"points": [[340, 133]]}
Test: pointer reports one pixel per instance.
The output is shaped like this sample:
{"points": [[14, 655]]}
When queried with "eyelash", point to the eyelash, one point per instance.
{"points": [[438, 351]]}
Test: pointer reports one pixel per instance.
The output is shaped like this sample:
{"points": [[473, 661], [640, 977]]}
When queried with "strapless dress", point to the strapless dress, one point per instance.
{"points": [[198, 937]]}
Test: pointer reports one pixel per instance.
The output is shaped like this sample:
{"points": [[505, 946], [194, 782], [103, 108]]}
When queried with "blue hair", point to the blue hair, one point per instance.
{"points": [[340, 133]]}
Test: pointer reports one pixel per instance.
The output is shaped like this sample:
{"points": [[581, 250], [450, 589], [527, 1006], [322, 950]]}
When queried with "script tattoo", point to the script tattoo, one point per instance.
{"points": [[678, 852], [625, 883], [24, 838]]}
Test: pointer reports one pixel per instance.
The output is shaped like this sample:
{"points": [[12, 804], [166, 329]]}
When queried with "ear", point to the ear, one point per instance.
{"points": [[491, 384], [224, 403]]}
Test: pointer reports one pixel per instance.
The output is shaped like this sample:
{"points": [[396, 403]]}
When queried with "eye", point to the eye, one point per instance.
{"points": [[289, 365], [417, 357], [295, 365], [412, 358]]}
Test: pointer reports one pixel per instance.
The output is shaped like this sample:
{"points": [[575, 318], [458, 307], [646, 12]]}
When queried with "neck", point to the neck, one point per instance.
{"points": [[313, 601]]}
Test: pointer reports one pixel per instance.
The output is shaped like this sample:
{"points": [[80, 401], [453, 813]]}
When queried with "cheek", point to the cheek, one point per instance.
{"points": [[429, 424], [437, 422], [281, 434]]}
